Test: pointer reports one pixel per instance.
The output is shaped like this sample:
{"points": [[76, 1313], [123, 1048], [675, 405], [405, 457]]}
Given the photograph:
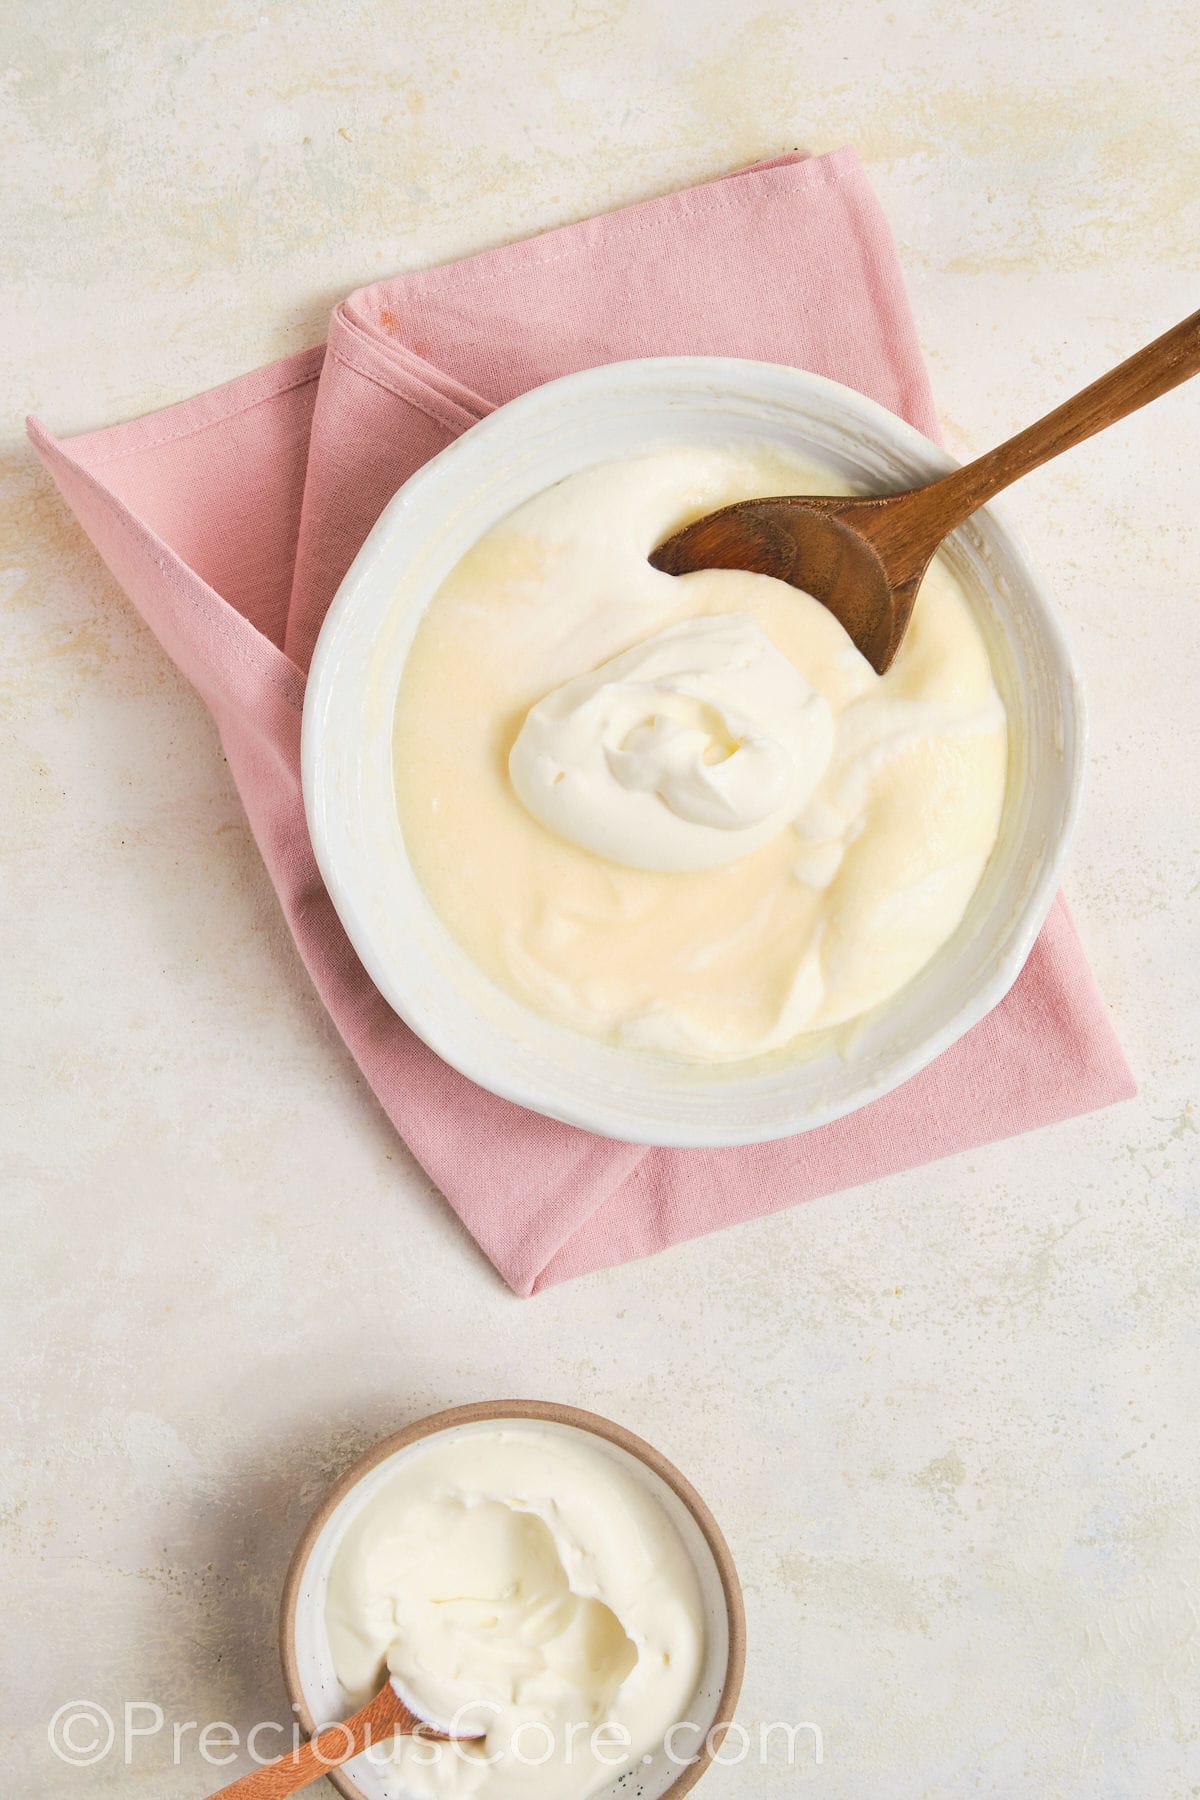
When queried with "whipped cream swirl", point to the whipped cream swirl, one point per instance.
{"points": [[690, 750]]}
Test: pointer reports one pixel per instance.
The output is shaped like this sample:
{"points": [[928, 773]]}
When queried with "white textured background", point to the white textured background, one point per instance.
{"points": [[949, 1422]]}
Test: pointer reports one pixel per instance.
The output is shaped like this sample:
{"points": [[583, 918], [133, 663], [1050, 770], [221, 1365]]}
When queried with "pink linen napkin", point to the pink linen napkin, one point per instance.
{"points": [[230, 520]]}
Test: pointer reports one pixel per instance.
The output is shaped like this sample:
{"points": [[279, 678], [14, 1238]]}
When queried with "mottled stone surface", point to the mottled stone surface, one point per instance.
{"points": [[948, 1421]]}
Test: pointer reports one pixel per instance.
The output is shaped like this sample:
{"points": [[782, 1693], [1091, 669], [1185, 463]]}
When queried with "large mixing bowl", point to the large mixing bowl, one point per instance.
{"points": [[621, 410]]}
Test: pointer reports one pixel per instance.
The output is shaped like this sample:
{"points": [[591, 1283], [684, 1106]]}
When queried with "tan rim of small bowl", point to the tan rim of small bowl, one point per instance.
{"points": [[556, 1415]]}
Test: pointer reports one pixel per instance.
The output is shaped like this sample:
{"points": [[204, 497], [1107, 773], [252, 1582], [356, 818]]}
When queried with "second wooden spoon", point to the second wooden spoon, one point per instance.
{"points": [[386, 1716], [864, 558]]}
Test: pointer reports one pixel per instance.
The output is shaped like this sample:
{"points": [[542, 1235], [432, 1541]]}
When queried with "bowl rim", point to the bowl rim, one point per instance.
{"points": [[472, 1057], [556, 1413]]}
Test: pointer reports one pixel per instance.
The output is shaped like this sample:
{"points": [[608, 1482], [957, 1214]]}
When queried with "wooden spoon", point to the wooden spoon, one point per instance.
{"points": [[383, 1717], [864, 559]]}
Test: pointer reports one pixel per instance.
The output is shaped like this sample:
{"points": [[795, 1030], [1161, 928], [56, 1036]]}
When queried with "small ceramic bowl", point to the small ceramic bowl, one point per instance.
{"points": [[318, 1696], [605, 414]]}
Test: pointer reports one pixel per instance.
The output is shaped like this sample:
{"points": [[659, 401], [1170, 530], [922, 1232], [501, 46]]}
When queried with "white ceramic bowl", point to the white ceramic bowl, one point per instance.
{"points": [[603, 414], [318, 1696]]}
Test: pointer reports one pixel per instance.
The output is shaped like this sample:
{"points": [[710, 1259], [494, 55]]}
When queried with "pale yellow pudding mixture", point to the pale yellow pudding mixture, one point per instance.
{"points": [[735, 834]]}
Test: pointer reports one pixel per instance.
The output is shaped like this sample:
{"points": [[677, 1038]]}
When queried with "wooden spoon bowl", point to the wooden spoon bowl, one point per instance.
{"points": [[864, 559]]}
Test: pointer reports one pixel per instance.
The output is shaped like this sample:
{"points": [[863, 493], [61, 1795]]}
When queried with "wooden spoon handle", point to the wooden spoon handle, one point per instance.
{"points": [[930, 512], [379, 1719]]}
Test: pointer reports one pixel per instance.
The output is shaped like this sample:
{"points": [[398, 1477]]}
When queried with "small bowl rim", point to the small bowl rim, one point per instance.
{"points": [[556, 1413]]}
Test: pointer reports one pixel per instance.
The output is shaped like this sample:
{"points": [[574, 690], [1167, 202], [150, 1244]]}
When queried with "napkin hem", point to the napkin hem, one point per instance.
{"points": [[371, 351], [310, 362], [250, 647]]}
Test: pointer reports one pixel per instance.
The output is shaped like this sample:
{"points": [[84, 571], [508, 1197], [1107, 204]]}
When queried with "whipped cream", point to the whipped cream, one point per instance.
{"points": [[518, 1582], [689, 750], [755, 837]]}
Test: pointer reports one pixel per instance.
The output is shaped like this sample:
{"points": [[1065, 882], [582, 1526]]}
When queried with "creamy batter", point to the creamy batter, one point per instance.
{"points": [[685, 814], [519, 1582]]}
